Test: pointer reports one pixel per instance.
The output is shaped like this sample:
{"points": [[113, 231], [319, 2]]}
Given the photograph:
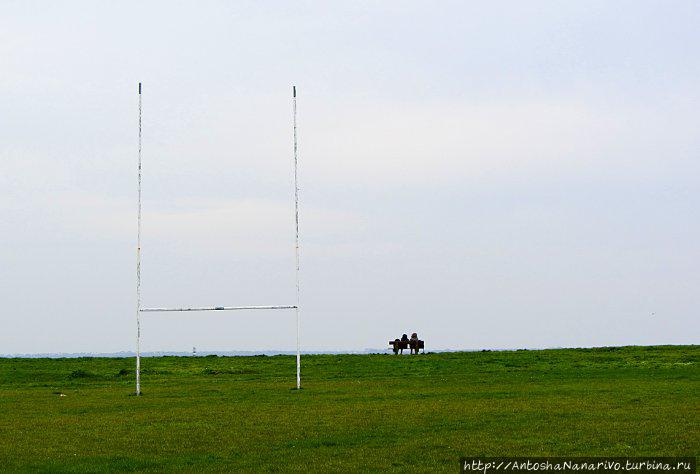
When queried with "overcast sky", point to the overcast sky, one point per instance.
{"points": [[488, 174]]}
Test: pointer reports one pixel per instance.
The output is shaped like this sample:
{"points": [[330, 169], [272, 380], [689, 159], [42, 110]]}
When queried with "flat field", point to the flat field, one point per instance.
{"points": [[354, 413]]}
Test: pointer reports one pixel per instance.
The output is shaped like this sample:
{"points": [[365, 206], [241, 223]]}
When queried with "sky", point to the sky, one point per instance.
{"points": [[487, 174]]}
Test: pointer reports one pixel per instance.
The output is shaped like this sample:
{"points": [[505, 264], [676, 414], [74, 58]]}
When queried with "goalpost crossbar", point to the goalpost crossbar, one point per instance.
{"points": [[215, 308]]}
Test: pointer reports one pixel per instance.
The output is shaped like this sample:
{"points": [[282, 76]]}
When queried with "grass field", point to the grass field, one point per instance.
{"points": [[355, 412]]}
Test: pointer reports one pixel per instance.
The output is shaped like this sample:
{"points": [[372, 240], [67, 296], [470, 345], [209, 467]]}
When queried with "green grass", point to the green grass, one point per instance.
{"points": [[355, 412]]}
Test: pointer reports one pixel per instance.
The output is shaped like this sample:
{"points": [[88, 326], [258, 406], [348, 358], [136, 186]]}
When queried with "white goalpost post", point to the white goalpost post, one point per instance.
{"points": [[295, 307]]}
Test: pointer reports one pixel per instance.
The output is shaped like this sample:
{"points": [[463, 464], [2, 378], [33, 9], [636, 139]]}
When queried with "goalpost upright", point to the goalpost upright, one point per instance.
{"points": [[138, 266], [295, 307], [296, 227]]}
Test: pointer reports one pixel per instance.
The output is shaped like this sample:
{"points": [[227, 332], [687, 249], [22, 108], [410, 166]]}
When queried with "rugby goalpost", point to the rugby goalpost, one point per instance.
{"points": [[295, 307]]}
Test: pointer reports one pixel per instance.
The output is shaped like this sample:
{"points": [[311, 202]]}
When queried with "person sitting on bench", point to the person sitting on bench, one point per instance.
{"points": [[400, 344], [414, 343]]}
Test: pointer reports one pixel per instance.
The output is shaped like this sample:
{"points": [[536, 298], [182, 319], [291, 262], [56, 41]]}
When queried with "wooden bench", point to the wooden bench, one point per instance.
{"points": [[399, 345]]}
